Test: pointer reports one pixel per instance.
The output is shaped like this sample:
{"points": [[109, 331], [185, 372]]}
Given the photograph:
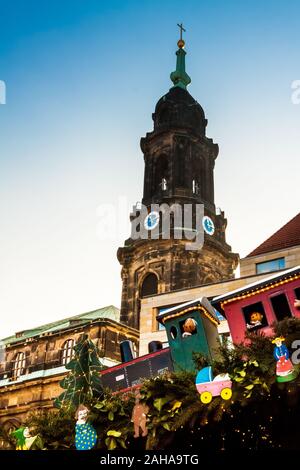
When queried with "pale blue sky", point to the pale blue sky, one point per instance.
{"points": [[82, 81]]}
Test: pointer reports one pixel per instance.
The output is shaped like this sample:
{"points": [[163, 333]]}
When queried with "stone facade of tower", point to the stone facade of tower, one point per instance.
{"points": [[179, 164]]}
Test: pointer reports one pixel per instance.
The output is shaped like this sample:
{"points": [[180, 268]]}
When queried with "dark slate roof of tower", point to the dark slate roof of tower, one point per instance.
{"points": [[286, 237], [178, 108]]}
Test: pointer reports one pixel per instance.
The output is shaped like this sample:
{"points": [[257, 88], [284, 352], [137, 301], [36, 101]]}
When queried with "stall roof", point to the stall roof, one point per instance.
{"points": [[288, 274], [202, 302]]}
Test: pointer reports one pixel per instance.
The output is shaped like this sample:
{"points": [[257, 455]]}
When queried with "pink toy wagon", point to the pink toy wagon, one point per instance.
{"points": [[209, 387]]}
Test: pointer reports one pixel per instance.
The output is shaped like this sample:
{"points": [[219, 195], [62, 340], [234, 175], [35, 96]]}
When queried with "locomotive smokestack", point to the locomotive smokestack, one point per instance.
{"points": [[126, 349], [154, 346]]}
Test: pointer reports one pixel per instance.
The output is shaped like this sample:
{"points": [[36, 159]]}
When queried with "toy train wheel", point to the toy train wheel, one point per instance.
{"points": [[226, 393], [206, 397]]}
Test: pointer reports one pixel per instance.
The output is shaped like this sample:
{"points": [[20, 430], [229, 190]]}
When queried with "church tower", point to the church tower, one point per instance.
{"points": [[179, 169]]}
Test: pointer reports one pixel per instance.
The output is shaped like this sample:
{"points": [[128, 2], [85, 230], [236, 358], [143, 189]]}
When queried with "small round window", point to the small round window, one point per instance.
{"points": [[173, 332]]}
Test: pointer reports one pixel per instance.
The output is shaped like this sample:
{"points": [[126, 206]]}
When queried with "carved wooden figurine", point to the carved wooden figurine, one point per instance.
{"points": [[139, 417]]}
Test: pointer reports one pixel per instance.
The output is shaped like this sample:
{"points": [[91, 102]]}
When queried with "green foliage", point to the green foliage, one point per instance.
{"points": [[114, 439], [6, 439], [289, 328], [113, 406], [165, 396], [250, 365], [56, 428], [83, 382], [111, 419], [250, 379], [258, 347], [200, 360]]}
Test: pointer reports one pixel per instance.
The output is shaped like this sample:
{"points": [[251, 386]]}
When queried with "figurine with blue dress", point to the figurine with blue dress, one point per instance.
{"points": [[86, 436], [284, 368]]}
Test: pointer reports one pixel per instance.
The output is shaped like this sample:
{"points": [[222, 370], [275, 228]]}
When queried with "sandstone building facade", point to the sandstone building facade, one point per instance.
{"points": [[34, 360]]}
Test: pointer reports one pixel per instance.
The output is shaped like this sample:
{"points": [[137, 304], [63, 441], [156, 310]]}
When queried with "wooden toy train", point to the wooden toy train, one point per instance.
{"points": [[193, 327], [190, 327]]}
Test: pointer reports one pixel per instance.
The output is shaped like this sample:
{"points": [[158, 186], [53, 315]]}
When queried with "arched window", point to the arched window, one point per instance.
{"points": [[67, 351], [19, 365], [150, 285]]}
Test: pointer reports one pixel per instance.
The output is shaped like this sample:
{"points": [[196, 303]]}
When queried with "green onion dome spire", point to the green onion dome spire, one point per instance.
{"points": [[179, 77]]}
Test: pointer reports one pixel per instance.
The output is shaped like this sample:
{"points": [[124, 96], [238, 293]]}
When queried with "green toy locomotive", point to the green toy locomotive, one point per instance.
{"points": [[190, 327]]}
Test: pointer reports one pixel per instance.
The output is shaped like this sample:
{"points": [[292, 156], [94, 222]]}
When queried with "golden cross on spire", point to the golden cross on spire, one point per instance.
{"points": [[181, 29], [181, 42]]}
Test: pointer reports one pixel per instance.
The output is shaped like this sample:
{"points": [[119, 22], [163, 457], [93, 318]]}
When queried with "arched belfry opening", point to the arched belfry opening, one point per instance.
{"points": [[161, 173], [149, 285]]}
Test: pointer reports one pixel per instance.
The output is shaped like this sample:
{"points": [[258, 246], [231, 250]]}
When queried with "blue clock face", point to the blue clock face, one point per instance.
{"points": [[151, 221], [208, 225]]}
